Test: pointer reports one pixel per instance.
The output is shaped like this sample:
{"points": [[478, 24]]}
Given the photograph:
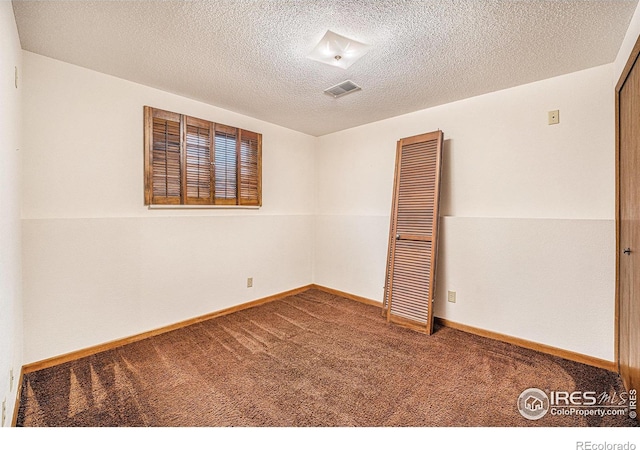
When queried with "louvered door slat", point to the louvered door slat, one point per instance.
{"points": [[411, 259]]}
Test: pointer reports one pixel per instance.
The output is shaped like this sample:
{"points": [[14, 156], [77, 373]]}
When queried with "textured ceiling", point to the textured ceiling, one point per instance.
{"points": [[248, 56]]}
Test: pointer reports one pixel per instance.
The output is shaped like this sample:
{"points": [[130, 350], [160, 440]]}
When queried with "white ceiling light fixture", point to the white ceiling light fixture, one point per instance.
{"points": [[337, 50]]}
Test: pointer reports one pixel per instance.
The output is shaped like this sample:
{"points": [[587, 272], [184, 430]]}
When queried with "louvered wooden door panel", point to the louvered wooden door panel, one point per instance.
{"points": [[411, 260]]}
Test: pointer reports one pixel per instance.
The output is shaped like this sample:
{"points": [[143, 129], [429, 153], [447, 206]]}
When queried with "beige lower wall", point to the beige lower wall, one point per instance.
{"points": [[549, 281], [90, 281]]}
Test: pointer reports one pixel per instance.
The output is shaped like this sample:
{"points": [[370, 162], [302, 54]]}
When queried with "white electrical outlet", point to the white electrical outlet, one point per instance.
{"points": [[249, 282], [11, 380], [4, 411], [451, 296]]}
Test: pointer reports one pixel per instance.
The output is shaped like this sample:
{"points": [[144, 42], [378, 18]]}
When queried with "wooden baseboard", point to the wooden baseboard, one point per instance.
{"points": [[543, 348], [357, 298], [14, 420], [566, 354], [71, 356]]}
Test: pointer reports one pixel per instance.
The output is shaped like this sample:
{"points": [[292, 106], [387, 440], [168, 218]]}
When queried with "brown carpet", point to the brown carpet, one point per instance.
{"points": [[312, 359]]}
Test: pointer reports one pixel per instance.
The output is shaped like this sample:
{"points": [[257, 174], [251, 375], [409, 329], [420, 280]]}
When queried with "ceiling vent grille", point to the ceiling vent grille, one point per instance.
{"points": [[344, 88]]}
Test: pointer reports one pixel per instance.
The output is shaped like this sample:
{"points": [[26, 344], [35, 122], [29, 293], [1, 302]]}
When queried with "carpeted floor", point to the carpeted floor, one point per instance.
{"points": [[313, 359]]}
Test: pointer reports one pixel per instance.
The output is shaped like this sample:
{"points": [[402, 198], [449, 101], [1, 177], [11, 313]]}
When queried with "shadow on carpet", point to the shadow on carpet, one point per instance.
{"points": [[313, 359]]}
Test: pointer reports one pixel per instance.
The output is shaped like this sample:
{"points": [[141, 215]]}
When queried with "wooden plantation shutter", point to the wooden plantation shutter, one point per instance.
{"points": [[198, 167], [250, 168], [163, 174], [226, 173], [190, 161], [409, 287]]}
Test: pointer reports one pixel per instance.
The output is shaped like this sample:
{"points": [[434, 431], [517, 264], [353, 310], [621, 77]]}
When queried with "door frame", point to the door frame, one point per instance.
{"points": [[633, 58]]}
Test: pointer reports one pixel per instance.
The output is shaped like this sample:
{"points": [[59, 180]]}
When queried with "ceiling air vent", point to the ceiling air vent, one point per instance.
{"points": [[341, 89]]}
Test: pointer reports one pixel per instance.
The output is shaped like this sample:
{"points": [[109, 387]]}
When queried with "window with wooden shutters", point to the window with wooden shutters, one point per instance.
{"points": [[190, 161]]}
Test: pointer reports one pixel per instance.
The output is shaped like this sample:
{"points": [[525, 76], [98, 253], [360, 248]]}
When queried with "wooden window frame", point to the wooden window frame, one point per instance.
{"points": [[248, 188]]}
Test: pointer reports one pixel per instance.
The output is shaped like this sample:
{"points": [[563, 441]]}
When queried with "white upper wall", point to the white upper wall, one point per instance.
{"points": [[84, 146], [10, 232], [502, 159]]}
